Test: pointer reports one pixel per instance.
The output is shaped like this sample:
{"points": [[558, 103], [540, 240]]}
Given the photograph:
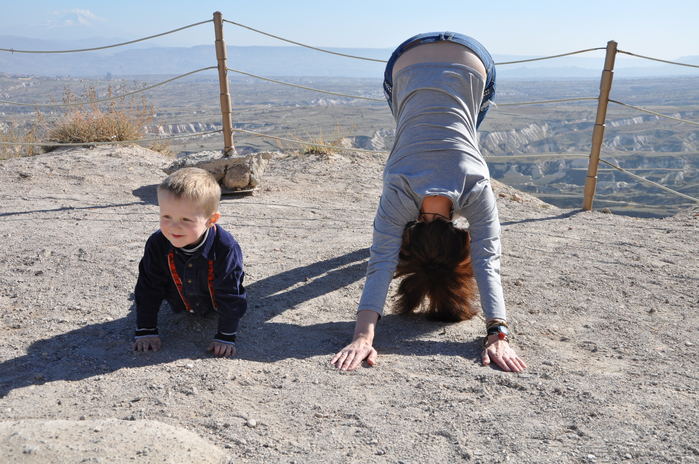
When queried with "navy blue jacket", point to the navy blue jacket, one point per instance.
{"points": [[211, 280]]}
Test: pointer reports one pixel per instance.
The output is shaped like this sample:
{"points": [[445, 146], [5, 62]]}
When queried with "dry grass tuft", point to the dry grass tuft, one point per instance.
{"points": [[122, 119], [161, 146], [13, 133], [320, 145]]}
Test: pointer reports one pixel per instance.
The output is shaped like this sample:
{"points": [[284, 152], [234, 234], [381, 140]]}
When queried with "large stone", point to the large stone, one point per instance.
{"points": [[239, 173], [237, 176]]}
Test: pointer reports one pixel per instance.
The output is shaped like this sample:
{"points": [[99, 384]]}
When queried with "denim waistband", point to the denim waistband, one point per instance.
{"points": [[432, 37]]}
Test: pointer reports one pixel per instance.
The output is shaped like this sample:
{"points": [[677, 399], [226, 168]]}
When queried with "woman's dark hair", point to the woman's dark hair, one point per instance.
{"points": [[435, 262]]}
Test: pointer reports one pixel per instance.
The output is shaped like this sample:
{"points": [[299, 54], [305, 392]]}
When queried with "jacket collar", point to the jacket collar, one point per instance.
{"points": [[206, 250]]}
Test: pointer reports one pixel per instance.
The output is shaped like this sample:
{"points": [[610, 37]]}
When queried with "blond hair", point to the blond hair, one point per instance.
{"points": [[195, 185]]}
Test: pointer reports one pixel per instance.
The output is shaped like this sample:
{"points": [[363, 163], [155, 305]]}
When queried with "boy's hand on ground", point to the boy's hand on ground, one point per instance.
{"points": [[225, 350], [142, 344]]}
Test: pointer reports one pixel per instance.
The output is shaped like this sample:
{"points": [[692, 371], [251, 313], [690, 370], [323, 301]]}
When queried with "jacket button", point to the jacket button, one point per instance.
{"points": [[190, 264], [189, 281], [197, 304]]}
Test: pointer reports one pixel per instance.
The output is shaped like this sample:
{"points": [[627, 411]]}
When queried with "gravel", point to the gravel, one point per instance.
{"points": [[603, 309]]}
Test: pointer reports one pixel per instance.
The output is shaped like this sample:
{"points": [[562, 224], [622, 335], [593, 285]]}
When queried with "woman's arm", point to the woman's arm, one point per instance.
{"points": [[361, 347], [484, 227], [394, 211]]}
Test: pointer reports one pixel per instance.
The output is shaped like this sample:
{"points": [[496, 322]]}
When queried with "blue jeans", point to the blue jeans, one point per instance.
{"points": [[431, 37]]}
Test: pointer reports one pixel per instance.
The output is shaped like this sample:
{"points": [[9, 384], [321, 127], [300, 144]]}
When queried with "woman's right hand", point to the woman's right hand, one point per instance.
{"points": [[360, 349], [353, 354]]}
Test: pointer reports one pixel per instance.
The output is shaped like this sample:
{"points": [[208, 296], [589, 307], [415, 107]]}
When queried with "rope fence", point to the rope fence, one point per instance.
{"points": [[227, 130], [379, 152]]}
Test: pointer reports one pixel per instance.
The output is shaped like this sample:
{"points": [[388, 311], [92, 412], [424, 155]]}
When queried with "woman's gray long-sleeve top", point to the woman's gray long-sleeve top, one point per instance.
{"points": [[436, 153]]}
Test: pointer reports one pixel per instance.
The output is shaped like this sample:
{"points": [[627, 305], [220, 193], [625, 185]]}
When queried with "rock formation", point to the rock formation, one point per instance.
{"points": [[233, 173]]}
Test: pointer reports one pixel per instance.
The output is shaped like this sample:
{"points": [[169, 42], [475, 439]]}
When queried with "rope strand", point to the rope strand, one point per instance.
{"points": [[12, 50], [87, 144], [549, 57], [656, 59], [299, 142], [303, 45], [649, 181], [655, 114], [305, 88], [60, 105], [545, 101]]}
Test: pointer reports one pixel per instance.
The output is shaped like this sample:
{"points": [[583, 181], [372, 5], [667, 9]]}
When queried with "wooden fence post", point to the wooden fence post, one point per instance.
{"points": [[598, 132], [221, 56]]}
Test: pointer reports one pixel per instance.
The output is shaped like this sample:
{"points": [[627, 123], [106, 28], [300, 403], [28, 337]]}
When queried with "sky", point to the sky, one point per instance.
{"points": [[661, 29]]}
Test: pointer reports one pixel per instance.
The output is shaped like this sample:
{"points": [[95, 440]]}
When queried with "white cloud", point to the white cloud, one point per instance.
{"points": [[74, 18]]}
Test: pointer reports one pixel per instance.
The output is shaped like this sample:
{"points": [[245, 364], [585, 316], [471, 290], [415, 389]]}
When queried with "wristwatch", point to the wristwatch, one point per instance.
{"points": [[498, 328]]}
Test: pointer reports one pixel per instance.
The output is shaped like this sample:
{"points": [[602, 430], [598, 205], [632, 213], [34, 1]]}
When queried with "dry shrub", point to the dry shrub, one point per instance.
{"points": [[122, 119], [320, 145], [12, 132], [161, 146]]}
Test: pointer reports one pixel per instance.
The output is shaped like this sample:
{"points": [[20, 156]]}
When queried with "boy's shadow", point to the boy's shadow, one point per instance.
{"points": [[105, 347]]}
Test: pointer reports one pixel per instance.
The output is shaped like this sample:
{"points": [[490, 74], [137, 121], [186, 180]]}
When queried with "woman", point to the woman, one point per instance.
{"points": [[439, 87]]}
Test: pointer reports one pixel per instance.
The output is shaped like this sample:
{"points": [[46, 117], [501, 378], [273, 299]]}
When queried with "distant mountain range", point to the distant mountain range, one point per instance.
{"points": [[143, 59]]}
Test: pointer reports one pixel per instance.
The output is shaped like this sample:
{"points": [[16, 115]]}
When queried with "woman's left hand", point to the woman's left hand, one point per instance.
{"points": [[504, 356]]}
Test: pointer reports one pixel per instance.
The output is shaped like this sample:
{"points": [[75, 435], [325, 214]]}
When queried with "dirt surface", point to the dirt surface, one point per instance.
{"points": [[603, 308]]}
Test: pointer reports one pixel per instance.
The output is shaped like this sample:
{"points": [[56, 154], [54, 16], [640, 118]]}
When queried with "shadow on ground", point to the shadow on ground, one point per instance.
{"points": [[148, 194], [550, 218], [105, 347]]}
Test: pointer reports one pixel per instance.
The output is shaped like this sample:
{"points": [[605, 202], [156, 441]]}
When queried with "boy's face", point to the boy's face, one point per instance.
{"points": [[183, 222]]}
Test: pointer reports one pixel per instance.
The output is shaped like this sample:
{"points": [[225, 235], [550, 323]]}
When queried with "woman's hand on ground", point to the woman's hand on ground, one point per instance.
{"points": [[353, 354], [360, 349], [504, 356], [222, 350], [143, 343]]}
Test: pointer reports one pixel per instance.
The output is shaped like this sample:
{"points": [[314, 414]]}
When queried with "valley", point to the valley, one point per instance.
{"points": [[540, 149]]}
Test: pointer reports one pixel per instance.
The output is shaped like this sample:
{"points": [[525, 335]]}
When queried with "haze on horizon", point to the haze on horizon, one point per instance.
{"points": [[664, 30]]}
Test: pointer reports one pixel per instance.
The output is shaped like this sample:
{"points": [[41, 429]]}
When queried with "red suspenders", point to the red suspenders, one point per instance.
{"points": [[178, 281]]}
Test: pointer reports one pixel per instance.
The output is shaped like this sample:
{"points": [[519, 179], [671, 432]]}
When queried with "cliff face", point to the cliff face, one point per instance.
{"points": [[645, 133], [189, 128]]}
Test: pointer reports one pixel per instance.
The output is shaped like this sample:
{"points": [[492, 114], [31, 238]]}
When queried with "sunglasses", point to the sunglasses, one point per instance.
{"points": [[412, 224], [438, 215]]}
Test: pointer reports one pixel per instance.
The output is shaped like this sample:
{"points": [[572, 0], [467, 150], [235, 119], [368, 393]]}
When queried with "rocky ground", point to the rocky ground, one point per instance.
{"points": [[603, 308]]}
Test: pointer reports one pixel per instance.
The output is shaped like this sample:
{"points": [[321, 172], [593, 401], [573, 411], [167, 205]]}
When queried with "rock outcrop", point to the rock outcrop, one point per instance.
{"points": [[233, 173]]}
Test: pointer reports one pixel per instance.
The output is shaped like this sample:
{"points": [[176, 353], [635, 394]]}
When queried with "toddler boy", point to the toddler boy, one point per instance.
{"points": [[191, 262]]}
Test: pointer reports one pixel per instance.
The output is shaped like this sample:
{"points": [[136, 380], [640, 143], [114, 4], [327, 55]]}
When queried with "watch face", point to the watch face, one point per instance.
{"points": [[504, 330]]}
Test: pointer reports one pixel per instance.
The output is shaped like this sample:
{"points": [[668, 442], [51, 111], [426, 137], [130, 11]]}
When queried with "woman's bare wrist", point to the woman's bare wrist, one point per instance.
{"points": [[366, 322]]}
